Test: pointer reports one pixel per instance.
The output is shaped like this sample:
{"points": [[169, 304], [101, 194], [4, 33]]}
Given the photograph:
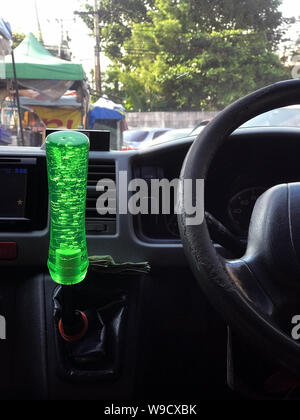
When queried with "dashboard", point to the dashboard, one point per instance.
{"points": [[251, 161], [249, 164]]}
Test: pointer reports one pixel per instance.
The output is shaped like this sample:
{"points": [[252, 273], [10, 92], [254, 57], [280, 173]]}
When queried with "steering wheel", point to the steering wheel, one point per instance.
{"points": [[258, 294]]}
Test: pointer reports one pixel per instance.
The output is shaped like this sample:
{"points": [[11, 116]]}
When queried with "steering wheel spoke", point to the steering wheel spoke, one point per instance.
{"points": [[247, 282]]}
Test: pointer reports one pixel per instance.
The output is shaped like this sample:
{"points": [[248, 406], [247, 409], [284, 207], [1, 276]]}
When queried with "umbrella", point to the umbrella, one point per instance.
{"points": [[104, 114]]}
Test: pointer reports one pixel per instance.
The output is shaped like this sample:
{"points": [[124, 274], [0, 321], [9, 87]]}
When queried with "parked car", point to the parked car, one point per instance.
{"points": [[168, 136], [132, 139]]}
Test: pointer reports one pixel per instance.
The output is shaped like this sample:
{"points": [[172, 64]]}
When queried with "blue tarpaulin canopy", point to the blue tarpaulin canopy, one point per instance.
{"points": [[5, 44], [104, 114], [5, 29]]}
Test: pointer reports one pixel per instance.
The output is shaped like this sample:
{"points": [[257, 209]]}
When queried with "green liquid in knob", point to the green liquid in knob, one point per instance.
{"points": [[67, 163]]}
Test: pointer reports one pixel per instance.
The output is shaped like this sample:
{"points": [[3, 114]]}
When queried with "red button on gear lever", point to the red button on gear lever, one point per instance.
{"points": [[77, 337]]}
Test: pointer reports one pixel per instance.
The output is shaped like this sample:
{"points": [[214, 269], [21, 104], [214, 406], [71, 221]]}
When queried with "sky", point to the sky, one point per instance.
{"points": [[22, 17], [290, 8]]}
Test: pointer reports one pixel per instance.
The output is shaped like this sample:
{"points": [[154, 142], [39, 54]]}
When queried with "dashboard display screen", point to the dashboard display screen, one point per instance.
{"points": [[13, 191]]}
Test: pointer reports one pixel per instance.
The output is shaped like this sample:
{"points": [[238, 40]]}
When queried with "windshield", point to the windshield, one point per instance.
{"points": [[174, 135], [118, 66], [283, 117]]}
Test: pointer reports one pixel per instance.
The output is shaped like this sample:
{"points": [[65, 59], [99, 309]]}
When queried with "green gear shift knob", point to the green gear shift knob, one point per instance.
{"points": [[67, 163]]}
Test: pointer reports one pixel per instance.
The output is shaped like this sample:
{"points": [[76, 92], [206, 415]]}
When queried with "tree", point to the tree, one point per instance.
{"points": [[18, 37], [116, 19], [190, 54]]}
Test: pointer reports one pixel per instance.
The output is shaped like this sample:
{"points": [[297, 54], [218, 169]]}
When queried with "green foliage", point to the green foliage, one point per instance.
{"points": [[190, 54], [116, 19], [18, 38]]}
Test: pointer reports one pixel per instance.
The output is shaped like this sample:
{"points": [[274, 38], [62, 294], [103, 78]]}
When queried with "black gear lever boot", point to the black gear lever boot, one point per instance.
{"points": [[96, 355]]}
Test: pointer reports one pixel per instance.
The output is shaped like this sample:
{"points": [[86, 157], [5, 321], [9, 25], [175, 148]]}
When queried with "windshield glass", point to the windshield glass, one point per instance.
{"points": [[123, 65], [174, 134], [283, 117]]}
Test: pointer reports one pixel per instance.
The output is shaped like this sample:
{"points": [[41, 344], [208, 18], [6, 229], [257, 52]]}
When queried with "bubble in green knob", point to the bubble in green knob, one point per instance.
{"points": [[67, 162]]}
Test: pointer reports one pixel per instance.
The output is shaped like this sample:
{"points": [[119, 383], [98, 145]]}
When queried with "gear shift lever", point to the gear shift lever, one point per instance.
{"points": [[67, 162]]}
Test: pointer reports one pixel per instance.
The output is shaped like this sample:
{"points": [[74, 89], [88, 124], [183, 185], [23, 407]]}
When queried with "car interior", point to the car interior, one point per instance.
{"points": [[213, 317]]}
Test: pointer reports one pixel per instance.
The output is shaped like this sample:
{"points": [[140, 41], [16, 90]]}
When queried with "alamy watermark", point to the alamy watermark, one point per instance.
{"points": [[296, 329], [2, 328], [157, 196]]}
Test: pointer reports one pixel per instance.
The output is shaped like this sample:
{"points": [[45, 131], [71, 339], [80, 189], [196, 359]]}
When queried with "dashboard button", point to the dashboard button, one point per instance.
{"points": [[8, 250]]}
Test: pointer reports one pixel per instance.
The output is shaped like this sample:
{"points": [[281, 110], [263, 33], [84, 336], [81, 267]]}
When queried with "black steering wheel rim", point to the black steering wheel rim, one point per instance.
{"points": [[208, 266]]}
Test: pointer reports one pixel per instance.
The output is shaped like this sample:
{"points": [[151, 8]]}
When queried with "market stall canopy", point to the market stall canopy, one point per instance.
{"points": [[64, 101], [104, 114], [33, 61], [107, 103], [39, 70]]}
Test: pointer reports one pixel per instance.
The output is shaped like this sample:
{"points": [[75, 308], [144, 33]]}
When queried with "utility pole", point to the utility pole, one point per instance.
{"points": [[38, 23], [97, 35], [60, 47], [98, 78]]}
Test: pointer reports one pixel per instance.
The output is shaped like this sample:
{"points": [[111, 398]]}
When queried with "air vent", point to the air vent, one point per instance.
{"points": [[10, 160], [95, 223]]}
